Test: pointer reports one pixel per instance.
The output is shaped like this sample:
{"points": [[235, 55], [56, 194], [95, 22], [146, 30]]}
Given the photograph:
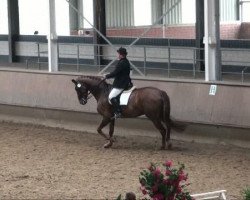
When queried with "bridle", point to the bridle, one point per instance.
{"points": [[90, 95]]}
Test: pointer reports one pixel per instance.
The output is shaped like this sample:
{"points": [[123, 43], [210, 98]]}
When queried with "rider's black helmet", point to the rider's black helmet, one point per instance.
{"points": [[122, 51]]}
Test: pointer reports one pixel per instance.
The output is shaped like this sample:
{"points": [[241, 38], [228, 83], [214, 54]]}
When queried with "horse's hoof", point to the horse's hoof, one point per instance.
{"points": [[170, 146], [113, 139], [108, 145], [163, 148]]}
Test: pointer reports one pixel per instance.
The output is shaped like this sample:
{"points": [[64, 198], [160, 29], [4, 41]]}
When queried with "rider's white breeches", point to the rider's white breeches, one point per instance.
{"points": [[114, 93]]}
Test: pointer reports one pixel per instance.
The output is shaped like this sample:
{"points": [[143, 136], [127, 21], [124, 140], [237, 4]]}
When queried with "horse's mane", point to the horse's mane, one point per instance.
{"points": [[82, 78], [104, 85]]}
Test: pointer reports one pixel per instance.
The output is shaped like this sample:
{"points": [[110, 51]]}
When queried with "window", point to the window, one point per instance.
{"points": [[3, 17]]}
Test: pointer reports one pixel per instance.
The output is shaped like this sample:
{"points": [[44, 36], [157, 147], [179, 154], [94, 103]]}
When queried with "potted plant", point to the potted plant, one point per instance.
{"points": [[170, 185]]}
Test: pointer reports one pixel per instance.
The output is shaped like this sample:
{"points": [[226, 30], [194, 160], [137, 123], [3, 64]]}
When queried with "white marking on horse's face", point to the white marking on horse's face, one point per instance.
{"points": [[79, 85]]}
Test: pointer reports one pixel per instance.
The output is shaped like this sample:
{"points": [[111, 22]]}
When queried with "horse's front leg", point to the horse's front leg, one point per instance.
{"points": [[105, 122], [111, 132]]}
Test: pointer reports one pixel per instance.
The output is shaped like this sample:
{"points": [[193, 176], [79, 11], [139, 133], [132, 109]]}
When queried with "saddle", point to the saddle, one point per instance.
{"points": [[124, 96]]}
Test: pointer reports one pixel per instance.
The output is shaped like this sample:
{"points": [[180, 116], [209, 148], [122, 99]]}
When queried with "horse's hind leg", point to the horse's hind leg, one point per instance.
{"points": [[168, 124], [111, 131], [162, 130]]}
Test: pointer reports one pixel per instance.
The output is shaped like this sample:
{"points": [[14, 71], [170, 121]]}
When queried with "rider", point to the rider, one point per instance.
{"points": [[122, 80]]}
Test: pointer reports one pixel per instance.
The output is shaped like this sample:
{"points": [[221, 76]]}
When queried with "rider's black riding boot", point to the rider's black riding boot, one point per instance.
{"points": [[117, 108]]}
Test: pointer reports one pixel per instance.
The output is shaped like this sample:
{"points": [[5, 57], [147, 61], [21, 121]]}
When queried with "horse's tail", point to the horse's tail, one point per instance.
{"points": [[177, 126], [166, 108]]}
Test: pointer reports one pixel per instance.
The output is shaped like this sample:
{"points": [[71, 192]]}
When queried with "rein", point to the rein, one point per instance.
{"points": [[89, 95], [101, 82]]}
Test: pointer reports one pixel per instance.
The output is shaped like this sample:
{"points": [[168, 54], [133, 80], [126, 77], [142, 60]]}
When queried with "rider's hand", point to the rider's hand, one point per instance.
{"points": [[104, 77]]}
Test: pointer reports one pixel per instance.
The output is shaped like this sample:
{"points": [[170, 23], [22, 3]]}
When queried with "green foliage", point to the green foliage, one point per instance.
{"points": [[246, 194], [119, 197]]}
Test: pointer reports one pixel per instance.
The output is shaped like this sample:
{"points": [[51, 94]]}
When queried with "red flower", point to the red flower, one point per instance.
{"points": [[182, 176], [171, 198], [144, 191], [158, 196], [168, 172], [165, 182], [168, 163], [171, 182], [178, 190], [155, 188], [157, 172]]}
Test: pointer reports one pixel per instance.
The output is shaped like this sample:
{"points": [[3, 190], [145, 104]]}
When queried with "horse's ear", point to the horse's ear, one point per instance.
{"points": [[74, 81]]}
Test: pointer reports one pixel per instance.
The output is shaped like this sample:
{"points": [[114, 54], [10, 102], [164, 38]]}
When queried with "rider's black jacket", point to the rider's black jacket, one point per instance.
{"points": [[121, 74]]}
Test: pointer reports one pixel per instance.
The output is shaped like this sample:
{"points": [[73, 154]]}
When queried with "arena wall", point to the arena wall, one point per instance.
{"points": [[190, 101], [49, 99]]}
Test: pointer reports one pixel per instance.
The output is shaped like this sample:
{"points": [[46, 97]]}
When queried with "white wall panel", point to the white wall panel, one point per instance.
{"points": [[175, 11], [119, 13], [3, 17], [228, 10]]}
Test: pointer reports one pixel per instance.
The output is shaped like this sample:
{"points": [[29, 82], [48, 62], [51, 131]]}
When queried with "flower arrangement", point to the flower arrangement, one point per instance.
{"points": [[246, 194], [168, 186]]}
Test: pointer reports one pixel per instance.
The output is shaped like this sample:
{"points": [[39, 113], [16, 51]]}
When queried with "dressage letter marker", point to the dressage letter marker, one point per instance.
{"points": [[213, 89]]}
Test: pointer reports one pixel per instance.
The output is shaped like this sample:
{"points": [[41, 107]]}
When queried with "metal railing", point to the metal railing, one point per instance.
{"points": [[39, 54], [161, 61], [242, 62], [144, 62]]}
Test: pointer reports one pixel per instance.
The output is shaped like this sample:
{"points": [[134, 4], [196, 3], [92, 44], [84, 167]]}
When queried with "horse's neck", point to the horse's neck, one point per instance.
{"points": [[97, 89]]}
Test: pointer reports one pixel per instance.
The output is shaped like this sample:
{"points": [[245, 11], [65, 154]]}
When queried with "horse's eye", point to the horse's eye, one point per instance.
{"points": [[79, 85]]}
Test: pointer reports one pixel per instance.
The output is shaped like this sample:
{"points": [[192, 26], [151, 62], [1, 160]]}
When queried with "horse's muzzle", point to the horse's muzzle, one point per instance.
{"points": [[83, 101]]}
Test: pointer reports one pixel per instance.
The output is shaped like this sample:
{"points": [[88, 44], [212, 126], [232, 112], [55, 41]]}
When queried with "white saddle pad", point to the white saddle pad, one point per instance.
{"points": [[125, 96]]}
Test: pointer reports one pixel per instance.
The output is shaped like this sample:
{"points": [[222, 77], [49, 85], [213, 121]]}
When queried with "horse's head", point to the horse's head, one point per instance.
{"points": [[82, 91]]}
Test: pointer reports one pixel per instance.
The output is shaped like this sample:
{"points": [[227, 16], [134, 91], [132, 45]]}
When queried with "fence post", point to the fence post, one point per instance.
{"points": [[58, 56], [27, 63], [242, 74], [77, 64], [38, 55], [169, 58], [145, 60], [194, 62]]}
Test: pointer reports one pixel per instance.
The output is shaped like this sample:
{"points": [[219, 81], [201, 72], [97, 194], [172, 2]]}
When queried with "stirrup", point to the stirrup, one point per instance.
{"points": [[117, 115]]}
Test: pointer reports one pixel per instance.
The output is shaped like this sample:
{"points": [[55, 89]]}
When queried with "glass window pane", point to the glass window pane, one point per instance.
{"points": [[34, 16], [3, 17]]}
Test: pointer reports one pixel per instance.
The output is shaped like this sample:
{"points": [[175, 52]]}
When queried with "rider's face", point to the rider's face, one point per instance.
{"points": [[120, 56]]}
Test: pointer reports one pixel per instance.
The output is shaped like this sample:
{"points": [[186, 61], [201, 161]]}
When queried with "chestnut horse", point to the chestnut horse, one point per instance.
{"points": [[149, 101]]}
